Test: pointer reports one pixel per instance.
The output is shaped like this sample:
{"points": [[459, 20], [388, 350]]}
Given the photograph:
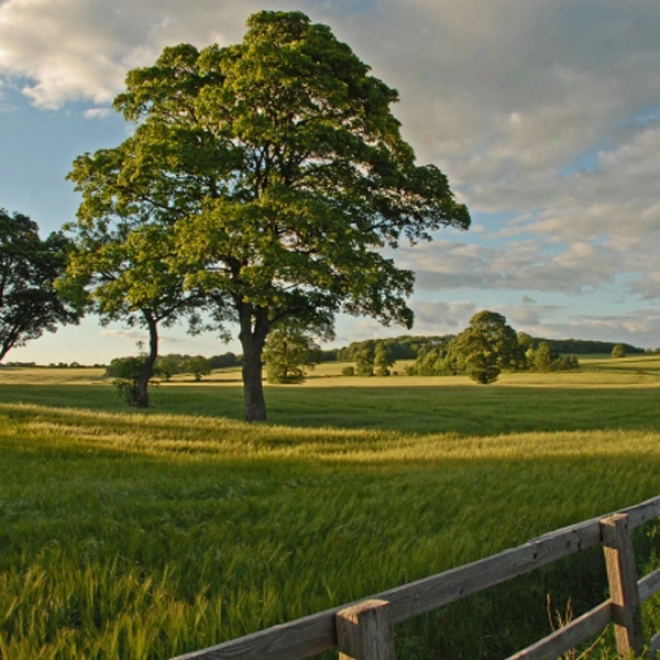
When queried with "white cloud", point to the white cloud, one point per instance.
{"points": [[126, 335], [529, 265], [81, 49], [96, 113], [546, 111]]}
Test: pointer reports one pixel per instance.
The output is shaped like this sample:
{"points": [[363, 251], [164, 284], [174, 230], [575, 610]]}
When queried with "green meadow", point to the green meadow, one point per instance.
{"points": [[143, 535]]}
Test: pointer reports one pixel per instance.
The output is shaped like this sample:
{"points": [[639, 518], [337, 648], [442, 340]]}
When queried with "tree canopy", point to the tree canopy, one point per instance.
{"points": [[485, 347], [118, 266], [29, 302], [290, 351], [279, 170]]}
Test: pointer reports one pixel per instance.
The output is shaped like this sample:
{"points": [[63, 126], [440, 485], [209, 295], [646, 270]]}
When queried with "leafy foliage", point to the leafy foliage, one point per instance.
{"points": [[198, 366], [29, 267], [485, 347], [619, 351], [280, 173], [169, 365], [383, 359], [364, 359], [126, 372], [545, 358], [289, 352], [118, 268]]}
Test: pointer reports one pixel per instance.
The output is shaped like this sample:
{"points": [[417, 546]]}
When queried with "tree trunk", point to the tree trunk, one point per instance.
{"points": [[253, 342], [142, 383]]}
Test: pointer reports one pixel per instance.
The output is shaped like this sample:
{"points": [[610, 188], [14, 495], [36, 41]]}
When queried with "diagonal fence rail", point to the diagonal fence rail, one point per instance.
{"points": [[364, 630]]}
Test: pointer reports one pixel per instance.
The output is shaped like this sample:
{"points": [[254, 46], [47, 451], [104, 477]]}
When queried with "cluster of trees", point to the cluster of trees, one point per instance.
{"points": [[126, 371], [174, 363], [586, 346], [482, 351], [487, 347], [405, 347], [371, 357]]}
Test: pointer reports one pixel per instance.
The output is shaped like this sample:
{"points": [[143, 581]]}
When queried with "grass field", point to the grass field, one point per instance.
{"points": [[131, 534]]}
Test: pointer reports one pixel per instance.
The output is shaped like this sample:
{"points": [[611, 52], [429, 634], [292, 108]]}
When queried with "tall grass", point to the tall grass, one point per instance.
{"points": [[143, 535]]}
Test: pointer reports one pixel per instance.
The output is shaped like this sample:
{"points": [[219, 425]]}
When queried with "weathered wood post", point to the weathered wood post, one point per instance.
{"points": [[365, 632], [622, 578]]}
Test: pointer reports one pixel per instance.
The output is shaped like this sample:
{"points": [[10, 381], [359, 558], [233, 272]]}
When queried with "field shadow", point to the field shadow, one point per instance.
{"points": [[462, 409]]}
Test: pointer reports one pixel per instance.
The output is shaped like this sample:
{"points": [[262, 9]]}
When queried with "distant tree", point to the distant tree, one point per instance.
{"points": [[126, 372], [328, 354], [481, 368], [364, 358], [198, 366], [29, 267], [485, 347], [432, 359], [619, 351], [289, 353], [383, 359], [169, 365], [544, 357], [227, 359], [568, 363], [348, 371]]}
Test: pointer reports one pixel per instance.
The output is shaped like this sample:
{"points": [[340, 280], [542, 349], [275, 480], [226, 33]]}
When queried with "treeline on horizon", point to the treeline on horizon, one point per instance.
{"points": [[405, 347]]}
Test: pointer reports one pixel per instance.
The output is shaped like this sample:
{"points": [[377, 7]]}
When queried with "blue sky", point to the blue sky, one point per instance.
{"points": [[544, 115]]}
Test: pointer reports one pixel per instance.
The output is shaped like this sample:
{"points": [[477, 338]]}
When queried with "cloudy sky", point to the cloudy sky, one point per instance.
{"points": [[545, 115]]}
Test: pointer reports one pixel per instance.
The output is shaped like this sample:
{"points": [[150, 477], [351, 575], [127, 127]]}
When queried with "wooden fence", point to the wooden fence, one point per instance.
{"points": [[364, 630]]}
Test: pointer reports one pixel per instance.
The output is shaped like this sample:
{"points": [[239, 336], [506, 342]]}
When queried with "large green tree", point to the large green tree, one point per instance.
{"points": [[485, 347], [29, 302], [286, 175]]}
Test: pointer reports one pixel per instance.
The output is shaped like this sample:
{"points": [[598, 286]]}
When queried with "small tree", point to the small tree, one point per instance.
{"points": [[169, 365], [29, 267], [485, 347], [545, 357], [619, 351], [289, 352], [383, 359], [126, 372], [198, 366], [364, 359]]}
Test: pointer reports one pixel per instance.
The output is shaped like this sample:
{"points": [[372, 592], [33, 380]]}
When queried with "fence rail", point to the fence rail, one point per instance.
{"points": [[363, 629]]}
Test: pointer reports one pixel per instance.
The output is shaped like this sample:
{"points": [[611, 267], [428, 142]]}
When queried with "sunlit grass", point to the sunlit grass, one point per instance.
{"points": [[131, 534]]}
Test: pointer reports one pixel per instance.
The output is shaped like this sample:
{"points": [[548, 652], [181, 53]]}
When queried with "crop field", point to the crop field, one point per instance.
{"points": [[145, 534]]}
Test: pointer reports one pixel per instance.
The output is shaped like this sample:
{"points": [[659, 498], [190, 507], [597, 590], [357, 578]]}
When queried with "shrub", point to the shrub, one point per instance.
{"points": [[126, 372], [619, 351]]}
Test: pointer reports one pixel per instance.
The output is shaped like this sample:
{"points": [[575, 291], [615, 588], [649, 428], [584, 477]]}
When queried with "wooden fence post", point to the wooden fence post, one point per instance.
{"points": [[622, 578], [365, 632]]}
